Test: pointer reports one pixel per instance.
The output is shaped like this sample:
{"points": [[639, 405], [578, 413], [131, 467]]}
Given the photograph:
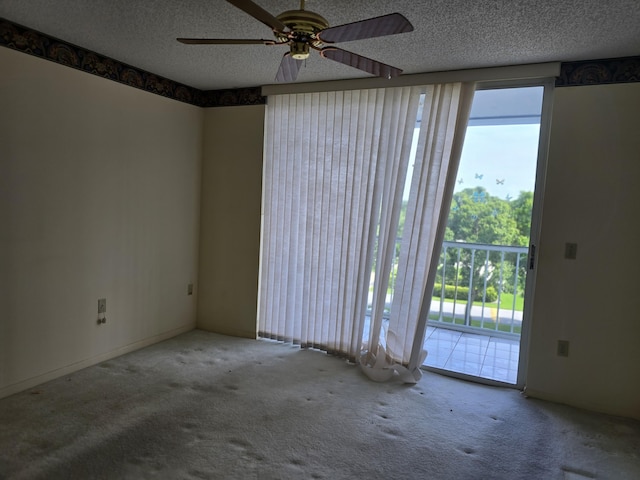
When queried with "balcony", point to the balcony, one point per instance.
{"points": [[475, 319], [479, 288]]}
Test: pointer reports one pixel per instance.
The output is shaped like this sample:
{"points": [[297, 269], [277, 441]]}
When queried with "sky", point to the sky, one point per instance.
{"points": [[501, 142], [500, 158]]}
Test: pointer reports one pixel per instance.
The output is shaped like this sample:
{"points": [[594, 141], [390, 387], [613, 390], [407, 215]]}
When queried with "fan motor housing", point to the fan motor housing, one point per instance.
{"points": [[304, 26], [303, 21]]}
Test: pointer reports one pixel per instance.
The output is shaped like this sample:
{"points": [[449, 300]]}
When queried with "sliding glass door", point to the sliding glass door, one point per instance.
{"points": [[478, 316]]}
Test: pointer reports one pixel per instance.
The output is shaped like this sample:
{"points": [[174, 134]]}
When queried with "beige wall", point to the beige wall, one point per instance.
{"points": [[99, 197], [592, 198], [230, 220]]}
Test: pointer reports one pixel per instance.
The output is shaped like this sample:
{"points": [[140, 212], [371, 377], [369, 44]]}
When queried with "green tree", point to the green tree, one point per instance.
{"points": [[521, 209], [478, 217]]}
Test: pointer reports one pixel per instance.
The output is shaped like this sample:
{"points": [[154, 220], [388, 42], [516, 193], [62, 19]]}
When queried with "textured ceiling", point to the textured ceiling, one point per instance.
{"points": [[449, 34]]}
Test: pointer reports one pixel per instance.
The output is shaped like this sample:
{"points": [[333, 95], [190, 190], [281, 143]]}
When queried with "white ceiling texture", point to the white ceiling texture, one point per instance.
{"points": [[448, 35]]}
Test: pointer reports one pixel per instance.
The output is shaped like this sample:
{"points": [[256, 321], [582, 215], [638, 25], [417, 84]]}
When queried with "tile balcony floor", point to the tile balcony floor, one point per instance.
{"points": [[484, 356]]}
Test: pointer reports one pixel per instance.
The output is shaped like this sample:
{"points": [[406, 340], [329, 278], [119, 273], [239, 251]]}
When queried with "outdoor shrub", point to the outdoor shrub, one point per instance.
{"points": [[490, 296], [462, 293]]}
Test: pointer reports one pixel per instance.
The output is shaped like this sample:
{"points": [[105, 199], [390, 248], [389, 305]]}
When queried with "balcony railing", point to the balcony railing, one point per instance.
{"points": [[478, 288]]}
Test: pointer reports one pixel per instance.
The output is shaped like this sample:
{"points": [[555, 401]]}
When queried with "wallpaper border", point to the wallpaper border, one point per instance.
{"points": [[599, 72], [32, 42]]}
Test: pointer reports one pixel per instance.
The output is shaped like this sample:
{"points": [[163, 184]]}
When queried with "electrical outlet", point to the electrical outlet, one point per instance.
{"points": [[190, 289], [563, 348], [102, 305], [570, 251]]}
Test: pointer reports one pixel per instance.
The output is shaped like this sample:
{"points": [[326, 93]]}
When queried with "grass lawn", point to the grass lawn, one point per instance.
{"points": [[488, 325], [506, 302]]}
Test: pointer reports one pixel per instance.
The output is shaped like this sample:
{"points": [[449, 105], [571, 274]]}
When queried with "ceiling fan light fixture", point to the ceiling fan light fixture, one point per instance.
{"points": [[299, 50]]}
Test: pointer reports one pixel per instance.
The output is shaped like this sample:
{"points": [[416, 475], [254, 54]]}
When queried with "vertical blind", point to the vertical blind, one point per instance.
{"points": [[334, 175], [326, 155], [439, 145]]}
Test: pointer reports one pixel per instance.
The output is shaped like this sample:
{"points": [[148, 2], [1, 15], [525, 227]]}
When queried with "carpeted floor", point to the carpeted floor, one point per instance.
{"points": [[205, 406]]}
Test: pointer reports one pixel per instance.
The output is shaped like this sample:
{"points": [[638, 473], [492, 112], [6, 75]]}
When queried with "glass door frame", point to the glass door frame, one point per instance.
{"points": [[536, 222]]}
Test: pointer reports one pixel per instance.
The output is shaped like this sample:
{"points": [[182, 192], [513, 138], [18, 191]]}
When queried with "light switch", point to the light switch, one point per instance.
{"points": [[570, 250], [102, 305], [563, 348]]}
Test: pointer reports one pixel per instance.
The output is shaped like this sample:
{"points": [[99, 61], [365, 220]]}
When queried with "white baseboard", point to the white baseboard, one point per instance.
{"points": [[59, 372]]}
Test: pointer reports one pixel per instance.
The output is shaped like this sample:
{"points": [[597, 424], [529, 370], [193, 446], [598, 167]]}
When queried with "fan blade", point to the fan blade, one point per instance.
{"points": [[224, 41], [260, 14], [363, 63], [289, 68], [373, 27]]}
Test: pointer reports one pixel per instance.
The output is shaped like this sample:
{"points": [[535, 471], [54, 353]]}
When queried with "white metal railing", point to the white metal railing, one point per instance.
{"points": [[478, 287]]}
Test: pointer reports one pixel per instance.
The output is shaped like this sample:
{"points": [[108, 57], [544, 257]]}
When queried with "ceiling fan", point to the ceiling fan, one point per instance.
{"points": [[303, 30]]}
